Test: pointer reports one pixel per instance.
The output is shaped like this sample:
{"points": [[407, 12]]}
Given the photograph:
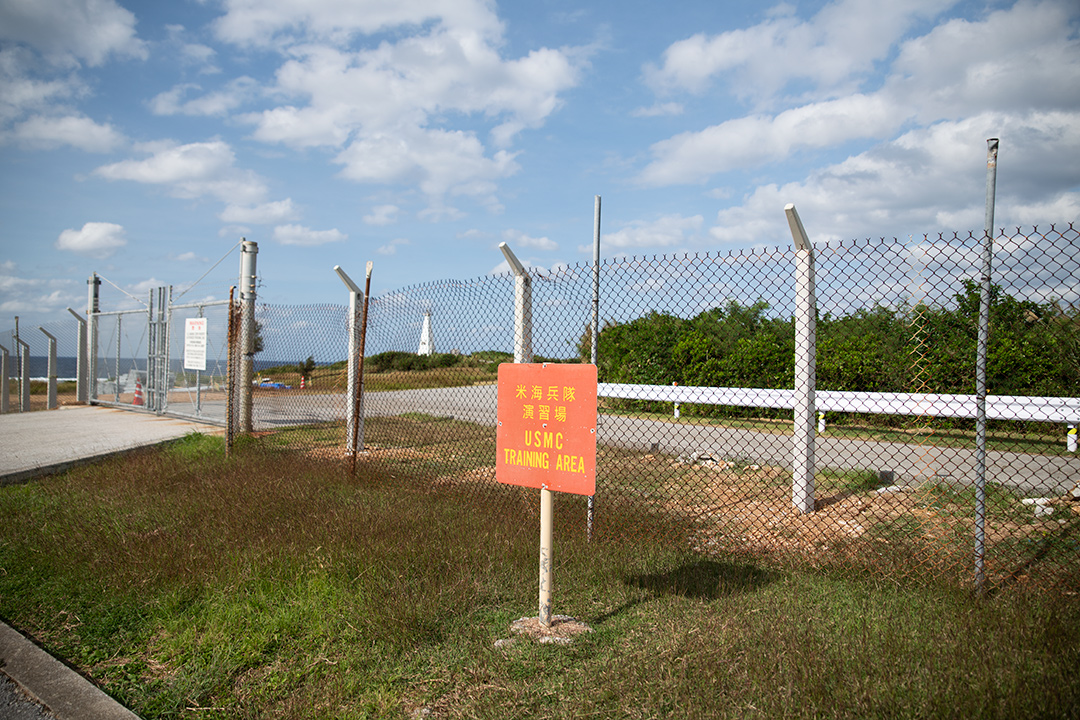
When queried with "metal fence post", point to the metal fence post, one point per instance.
{"points": [[5, 387], [24, 376], [522, 307], [805, 410], [119, 351], [93, 307], [51, 404], [595, 349], [81, 366], [165, 316], [980, 366], [523, 354], [151, 356], [352, 381], [248, 252], [230, 375]]}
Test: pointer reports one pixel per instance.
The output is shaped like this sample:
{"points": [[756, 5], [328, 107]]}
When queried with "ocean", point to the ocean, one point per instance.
{"points": [[67, 367]]}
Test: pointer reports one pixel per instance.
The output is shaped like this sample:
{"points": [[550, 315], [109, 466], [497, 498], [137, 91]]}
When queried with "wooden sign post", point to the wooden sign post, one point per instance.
{"points": [[546, 438]]}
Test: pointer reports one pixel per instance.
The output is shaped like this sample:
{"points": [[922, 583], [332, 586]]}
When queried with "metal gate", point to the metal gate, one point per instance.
{"points": [[137, 358]]}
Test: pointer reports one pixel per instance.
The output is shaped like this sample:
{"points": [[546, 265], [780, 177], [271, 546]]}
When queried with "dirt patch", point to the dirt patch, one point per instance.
{"points": [[562, 631], [748, 509]]}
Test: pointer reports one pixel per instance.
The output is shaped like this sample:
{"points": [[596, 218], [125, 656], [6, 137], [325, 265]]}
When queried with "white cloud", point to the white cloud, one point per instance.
{"points": [[306, 237], [261, 22], [382, 215], [235, 93], [749, 141], [22, 91], [141, 288], [95, 239], [835, 48], [390, 106], [391, 247], [1025, 57], [1022, 57], [662, 232], [32, 295], [72, 30], [440, 162], [520, 239], [265, 214], [74, 130], [194, 170], [190, 54], [928, 179]]}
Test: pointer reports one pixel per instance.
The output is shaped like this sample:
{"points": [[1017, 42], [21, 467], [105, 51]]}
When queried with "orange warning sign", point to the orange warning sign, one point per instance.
{"points": [[546, 436]]}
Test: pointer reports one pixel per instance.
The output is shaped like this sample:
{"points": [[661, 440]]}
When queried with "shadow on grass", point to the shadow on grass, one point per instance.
{"points": [[700, 580], [1058, 548], [705, 580]]}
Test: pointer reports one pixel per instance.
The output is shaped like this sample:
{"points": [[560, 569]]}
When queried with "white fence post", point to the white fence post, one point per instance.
{"points": [[523, 354], [247, 331], [802, 481], [82, 367], [353, 433], [51, 405], [522, 307]]}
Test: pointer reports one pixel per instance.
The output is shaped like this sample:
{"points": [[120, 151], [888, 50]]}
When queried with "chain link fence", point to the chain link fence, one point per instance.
{"points": [[139, 359], [28, 351], [698, 382]]}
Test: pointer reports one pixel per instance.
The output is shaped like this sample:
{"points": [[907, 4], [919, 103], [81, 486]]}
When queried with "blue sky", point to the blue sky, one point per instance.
{"points": [[142, 140]]}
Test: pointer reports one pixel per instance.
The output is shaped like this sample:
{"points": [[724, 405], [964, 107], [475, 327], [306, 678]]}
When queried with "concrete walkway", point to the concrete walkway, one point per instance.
{"points": [[50, 441], [36, 686]]}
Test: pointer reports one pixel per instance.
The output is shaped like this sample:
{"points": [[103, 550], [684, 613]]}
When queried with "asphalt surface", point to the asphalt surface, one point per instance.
{"points": [[15, 704], [896, 463]]}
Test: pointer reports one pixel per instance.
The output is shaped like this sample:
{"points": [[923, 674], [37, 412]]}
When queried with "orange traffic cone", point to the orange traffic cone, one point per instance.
{"points": [[138, 394], [302, 383]]}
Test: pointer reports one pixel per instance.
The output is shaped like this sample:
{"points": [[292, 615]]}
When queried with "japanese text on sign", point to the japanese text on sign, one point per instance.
{"points": [[195, 344], [546, 434]]}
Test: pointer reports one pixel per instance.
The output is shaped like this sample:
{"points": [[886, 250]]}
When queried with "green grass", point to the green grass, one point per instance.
{"points": [[267, 585]]}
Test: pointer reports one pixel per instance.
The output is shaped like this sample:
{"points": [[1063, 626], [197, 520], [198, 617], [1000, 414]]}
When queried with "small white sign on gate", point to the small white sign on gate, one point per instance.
{"points": [[195, 344]]}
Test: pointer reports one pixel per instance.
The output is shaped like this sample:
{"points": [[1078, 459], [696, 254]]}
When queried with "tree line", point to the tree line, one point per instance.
{"points": [[1034, 348]]}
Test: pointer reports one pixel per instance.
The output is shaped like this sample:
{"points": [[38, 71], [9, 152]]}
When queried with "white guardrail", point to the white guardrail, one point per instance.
{"points": [[998, 407]]}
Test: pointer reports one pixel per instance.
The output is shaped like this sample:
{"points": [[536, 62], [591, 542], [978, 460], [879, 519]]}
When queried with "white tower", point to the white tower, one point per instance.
{"points": [[427, 342]]}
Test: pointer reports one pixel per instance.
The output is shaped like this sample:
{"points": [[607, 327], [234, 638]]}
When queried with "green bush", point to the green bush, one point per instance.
{"points": [[1034, 349]]}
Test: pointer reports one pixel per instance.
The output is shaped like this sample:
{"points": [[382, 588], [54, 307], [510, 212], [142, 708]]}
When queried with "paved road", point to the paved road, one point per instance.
{"points": [[1031, 475], [16, 704]]}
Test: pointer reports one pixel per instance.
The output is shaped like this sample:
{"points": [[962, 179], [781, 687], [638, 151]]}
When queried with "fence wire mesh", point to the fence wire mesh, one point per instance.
{"points": [[121, 364], [194, 393], [696, 360], [37, 370]]}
